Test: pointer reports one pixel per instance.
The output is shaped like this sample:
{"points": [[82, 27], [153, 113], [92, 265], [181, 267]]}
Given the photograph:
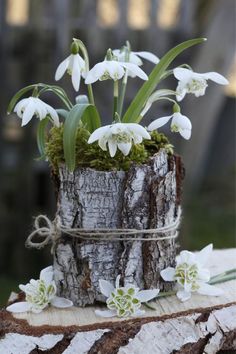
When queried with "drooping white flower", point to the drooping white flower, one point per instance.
{"points": [[191, 274], [195, 83], [179, 124], [124, 301], [134, 57], [28, 107], [119, 135], [74, 64], [39, 294], [115, 70]]}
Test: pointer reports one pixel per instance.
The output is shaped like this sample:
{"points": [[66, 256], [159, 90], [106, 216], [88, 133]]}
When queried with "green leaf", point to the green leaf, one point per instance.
{"points": [[132, 114], [63, 113], [41, 136], [18, 95], [86, 113], [91, 119]]}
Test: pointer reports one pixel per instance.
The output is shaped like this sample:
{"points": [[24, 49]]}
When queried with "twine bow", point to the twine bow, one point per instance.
{"points": [[52, 230]]}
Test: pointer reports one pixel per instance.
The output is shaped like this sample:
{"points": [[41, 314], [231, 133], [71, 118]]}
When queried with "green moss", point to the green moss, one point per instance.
{"points": [[91, 155]]}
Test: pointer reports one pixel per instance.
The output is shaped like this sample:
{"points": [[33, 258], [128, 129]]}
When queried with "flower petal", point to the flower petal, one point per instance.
{"points": [[146, 295], [98, 133], [168, 274], [139, 130], [46, 275], [19, 307], [186, 257], [183, 74], [105, 313], [203, 256], [115, 69], [76, 72], [207, 289], [185, 133], [124, 148], [112, 147], [148, 56], [183, 295], [62, 69], [218, 78], [135, 70], [61, 302], [54, 115], [28, 113], [159, 122], [95, 73], [204, 274], [106, 287], [181, 121], [139, 313]]}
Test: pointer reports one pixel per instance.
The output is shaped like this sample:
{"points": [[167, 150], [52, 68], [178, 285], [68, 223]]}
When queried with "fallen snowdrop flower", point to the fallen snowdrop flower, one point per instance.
{"points": [[119, 135], [179, 124], [39, 294], [124, 301], [195, 83], [191, 274], [28, 107], [115, 70]]}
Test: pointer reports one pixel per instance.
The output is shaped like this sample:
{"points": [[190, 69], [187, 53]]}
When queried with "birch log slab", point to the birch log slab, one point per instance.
{"points": [[201, 325], [146, 196]]}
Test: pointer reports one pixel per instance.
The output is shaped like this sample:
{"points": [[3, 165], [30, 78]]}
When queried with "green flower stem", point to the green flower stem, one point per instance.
{"points": [[61, 95], [86, 58], [116, 94], [223, 274], [122, 93]]}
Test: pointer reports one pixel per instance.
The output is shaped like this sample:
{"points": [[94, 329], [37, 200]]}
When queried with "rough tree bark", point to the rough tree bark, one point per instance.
{"points": [[147, 196], [203, 324]]}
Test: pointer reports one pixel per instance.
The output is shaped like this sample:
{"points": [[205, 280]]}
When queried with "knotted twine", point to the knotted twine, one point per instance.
{"points": [[52, 230]]}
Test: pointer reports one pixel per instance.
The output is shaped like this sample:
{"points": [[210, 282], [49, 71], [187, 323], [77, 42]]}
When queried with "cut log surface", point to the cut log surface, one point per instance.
{"points": [[201, 325], [147, 196]]}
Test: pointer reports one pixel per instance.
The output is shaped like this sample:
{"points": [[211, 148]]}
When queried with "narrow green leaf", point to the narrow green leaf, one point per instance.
{"points": [[86, 113], [41, 135], [91, 119], [63, 113], [132, 114]]}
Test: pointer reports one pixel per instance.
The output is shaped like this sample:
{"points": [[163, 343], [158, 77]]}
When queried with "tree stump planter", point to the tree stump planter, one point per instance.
{"points": [[147, 196]]}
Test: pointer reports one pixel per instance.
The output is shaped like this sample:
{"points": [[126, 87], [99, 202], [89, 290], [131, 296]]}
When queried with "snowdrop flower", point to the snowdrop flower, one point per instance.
{"points": [[124, 301], [115, 70], [28, 107], [119, 135], [134, 56], [74, 64], [179, 124], [39, 294], [191, 274], [191, 82]]}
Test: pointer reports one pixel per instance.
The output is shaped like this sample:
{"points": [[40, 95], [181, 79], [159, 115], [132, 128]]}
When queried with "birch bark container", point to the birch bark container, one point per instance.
{"points": [[147, 196]]}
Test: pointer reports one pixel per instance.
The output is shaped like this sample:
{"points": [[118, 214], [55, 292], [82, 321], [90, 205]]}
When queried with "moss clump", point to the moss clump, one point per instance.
{"points": [[91, 155]]}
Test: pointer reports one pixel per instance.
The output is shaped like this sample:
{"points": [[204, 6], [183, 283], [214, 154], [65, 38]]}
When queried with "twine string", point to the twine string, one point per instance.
{"points": [[51, 232]]}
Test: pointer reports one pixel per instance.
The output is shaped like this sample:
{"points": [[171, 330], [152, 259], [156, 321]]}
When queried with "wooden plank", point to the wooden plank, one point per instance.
{"points": [[201, 324]]}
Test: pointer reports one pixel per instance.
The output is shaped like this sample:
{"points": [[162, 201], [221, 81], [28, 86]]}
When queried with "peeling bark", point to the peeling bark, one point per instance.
{"points": [[147, 196]]}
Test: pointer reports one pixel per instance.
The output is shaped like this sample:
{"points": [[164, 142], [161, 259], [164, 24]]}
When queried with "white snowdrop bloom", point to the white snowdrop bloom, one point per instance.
{"points": [[115, 70], [39, 294], [195, 83], [134, 57], [74, 64], [119, 135], [191, 274], [124, 301], [179, 124], [28, 107]]}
